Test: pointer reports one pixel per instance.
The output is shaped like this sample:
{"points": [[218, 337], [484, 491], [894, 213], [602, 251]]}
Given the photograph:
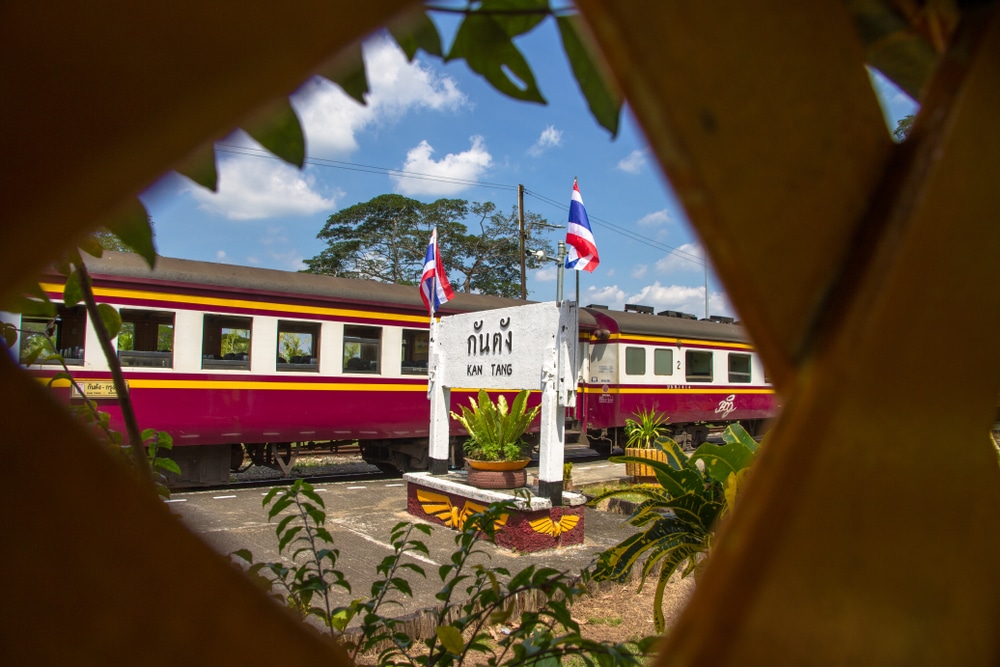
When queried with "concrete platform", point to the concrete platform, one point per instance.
{"points": [[360, 517]]}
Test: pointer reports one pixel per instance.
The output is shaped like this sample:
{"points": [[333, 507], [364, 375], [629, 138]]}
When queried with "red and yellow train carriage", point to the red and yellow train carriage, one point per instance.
{"points": [[228, 358]]}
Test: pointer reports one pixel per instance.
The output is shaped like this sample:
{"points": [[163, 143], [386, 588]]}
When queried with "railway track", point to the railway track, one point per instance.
{"points": [[319, 465]]}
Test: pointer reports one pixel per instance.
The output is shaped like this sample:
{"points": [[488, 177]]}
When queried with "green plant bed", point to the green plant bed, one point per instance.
{"points": [[677, 516], [614, 498]]}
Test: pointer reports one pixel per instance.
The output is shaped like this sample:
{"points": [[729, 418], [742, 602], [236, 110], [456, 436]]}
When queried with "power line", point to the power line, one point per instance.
{"points": [[627, 233], [250, 151]]}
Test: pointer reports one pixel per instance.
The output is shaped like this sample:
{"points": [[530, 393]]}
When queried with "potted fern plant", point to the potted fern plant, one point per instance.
{"points": [[641, 434], [496, 453]]}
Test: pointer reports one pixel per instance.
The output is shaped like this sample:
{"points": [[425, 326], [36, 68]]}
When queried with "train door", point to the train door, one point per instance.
{"points": [[602, 389]]}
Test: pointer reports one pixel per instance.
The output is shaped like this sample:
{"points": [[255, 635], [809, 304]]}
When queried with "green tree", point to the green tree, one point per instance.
{"points": [[374, 240], [385, 239], [903, 127], [489, 260]]}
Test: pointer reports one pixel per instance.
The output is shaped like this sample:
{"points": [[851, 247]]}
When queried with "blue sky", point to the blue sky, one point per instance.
{"points": [[455, 137]]}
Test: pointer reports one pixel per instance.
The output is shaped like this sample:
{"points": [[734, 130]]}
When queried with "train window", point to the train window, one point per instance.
{"points": [[67, 332], [361, 349], [635, 361], [699, 365], [415, 345], [739, 367], [298, 346], [663, 361], [146, 338], [226, 342]]}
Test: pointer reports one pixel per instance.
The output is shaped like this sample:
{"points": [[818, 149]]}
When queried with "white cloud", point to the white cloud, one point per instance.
{"points": [[251, 188], [672, 297], [634, 162], [438, 177], [220, 256], [639, 270], [655, 219], [681, 298], [550, 138], [546, 274], [612, 296], [332, 120], [689, 257]]}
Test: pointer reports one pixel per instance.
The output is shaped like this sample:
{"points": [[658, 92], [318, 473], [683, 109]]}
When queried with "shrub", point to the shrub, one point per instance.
{"points": [[473, 597], [680, 514]]}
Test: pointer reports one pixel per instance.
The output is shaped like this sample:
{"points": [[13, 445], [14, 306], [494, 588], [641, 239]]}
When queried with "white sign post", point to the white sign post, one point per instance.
{"points": [[523, 347]]}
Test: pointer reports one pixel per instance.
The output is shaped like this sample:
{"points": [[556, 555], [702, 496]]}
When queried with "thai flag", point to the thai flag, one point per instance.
{"points": [[581, 253], [434, 286]]}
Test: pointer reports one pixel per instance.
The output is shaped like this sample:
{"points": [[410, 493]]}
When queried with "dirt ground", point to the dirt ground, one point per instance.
{"points": [[622, 613]]}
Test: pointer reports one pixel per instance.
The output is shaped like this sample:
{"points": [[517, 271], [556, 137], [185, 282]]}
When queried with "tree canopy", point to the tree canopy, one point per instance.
{"points": [[385, 239]]}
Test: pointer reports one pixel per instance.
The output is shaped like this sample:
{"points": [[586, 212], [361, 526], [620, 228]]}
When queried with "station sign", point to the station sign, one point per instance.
{"points": [[508, 348]]}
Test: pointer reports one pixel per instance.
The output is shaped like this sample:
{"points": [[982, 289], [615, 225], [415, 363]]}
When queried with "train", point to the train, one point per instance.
{"points": [[238, 362]]}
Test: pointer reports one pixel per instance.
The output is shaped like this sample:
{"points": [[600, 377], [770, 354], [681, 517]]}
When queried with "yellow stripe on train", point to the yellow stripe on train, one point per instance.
{"points": [[172, 299], [721, 389]]}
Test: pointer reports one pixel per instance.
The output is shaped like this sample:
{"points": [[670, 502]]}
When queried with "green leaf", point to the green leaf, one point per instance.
{"points": [[604, 100], [350, 74], [90, 245], [168, 465], [308, 491], [723, 460], [279, 131], [488, 50], [341, 617], [271, 494], [200, 167], [736, 433], [72, 291], [279, 506], [451, 638], [243, 554], [516, 17], [416, 31], [111, 319], [132, 225]]}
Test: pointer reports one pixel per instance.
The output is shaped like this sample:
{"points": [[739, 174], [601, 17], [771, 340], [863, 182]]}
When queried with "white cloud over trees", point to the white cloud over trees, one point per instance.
{"points": [[445, 177]]}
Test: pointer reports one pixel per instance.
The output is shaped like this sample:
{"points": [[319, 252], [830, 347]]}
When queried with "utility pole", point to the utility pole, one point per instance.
{"points": [[520, 227], [706, 285]]}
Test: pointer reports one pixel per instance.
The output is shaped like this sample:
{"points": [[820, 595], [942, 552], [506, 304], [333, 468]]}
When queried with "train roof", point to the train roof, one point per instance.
{"points": [[231, 277], [664, 325]]}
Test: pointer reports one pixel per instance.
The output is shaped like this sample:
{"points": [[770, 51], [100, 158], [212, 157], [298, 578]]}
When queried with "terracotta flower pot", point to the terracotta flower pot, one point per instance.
{"points": [[498, 474]]}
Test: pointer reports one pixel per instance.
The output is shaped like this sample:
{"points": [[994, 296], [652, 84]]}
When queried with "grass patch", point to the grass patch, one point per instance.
{"points": [[613, 621], [595, 490]]}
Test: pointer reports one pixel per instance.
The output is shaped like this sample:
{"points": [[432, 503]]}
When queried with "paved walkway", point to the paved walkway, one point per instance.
{"points": [[361, 516]]}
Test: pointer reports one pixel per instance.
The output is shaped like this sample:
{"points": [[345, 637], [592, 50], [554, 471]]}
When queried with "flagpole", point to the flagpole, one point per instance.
{"points": [[561, 271]]}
